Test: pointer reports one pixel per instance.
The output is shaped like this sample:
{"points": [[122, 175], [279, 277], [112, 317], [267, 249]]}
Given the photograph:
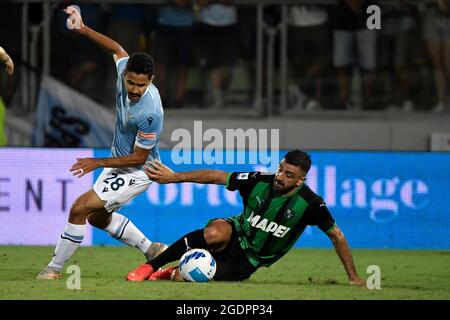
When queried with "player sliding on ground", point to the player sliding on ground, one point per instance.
{"points": [[138, 127], [277, 209]]}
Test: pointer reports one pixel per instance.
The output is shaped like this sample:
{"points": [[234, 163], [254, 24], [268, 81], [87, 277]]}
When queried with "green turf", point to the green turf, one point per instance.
{"points": [[302, 274]]}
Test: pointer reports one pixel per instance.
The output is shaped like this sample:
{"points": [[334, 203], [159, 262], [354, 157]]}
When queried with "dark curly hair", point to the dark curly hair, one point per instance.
{"points": [[141, 63], [299, 159]]}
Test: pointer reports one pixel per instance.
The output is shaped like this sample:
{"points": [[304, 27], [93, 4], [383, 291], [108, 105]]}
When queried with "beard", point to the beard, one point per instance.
{"points": [[134, 97], [280, 188]]}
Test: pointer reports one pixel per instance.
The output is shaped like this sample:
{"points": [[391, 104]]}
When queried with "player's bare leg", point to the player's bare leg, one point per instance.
{"points": [[84, 206], [217, 234], [72, 235], [90, 207]]}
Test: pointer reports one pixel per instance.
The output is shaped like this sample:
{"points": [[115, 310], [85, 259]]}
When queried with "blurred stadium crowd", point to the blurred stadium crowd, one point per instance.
{"points": [[205, 52]]}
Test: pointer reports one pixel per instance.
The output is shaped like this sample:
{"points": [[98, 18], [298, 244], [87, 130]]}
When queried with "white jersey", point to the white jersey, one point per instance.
{"points": [[139, 123]]}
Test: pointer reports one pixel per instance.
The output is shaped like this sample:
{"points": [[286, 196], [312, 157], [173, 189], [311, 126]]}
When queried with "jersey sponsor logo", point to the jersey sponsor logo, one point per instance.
{"points": [[150, 120], [145, 135], [242, 176], [278, 230]]}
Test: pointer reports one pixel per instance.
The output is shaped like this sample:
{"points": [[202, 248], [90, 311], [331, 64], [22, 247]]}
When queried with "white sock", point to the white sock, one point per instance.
{"points": [[122, 229], [67, 244]]}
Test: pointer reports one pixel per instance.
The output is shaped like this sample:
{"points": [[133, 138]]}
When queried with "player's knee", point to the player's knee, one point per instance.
{"points": [[217, 232], [211, 235], [99, 219], [79, 210]]}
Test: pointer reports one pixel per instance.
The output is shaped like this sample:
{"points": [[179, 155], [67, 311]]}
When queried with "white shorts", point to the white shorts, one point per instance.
{"points": [[117, 186]]}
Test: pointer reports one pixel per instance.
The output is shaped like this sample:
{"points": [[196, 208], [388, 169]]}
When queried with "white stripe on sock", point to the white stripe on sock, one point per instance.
{"points": [[65, 248], [124, 228]]}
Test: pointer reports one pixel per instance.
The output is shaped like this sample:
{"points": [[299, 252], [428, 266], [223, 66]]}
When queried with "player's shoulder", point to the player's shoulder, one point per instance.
{"points": [[150, 120], [263, 176], [121, 63], [151, 100], [310, 196], [254, 176]]}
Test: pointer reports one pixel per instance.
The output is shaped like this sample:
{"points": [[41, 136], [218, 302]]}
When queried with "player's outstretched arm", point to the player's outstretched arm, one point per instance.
{"points": [[6, 59], [75, 22], [160, 173], [344, 253], [86, 165]]}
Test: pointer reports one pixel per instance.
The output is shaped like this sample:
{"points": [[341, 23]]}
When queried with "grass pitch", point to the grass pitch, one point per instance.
{"points": [[301, 274]]}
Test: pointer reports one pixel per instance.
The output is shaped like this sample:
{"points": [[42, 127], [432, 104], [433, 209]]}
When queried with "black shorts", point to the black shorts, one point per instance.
{"points": [[232, 262]]}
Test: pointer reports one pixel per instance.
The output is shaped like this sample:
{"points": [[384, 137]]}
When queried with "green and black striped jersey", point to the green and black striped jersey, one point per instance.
{"points": [[271, 224]]}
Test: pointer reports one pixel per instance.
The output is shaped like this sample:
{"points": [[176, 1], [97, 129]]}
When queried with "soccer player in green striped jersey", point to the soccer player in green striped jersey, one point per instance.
{"points": [[277, 209]]}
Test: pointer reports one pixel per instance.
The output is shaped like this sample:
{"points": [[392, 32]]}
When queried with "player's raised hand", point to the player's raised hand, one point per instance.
{"points": [[83, 166], [6, 59], [74, 21], [9, 66], [159, 172]]}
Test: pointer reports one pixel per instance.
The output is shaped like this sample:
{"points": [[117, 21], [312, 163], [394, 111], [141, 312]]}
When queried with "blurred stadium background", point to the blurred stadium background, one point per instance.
{"points": [[377, 127]]}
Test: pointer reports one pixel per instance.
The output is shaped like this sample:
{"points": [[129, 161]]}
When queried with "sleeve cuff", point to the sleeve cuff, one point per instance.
{"points": [[118, 61], [143, 146], [331, 228]]}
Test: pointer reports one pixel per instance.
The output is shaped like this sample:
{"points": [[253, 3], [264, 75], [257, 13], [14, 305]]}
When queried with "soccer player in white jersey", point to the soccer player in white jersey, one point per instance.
{"points": [[139, 123]]}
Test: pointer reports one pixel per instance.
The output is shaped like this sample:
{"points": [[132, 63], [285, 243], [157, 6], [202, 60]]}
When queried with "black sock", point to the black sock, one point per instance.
{"points": [[194, 239]]}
